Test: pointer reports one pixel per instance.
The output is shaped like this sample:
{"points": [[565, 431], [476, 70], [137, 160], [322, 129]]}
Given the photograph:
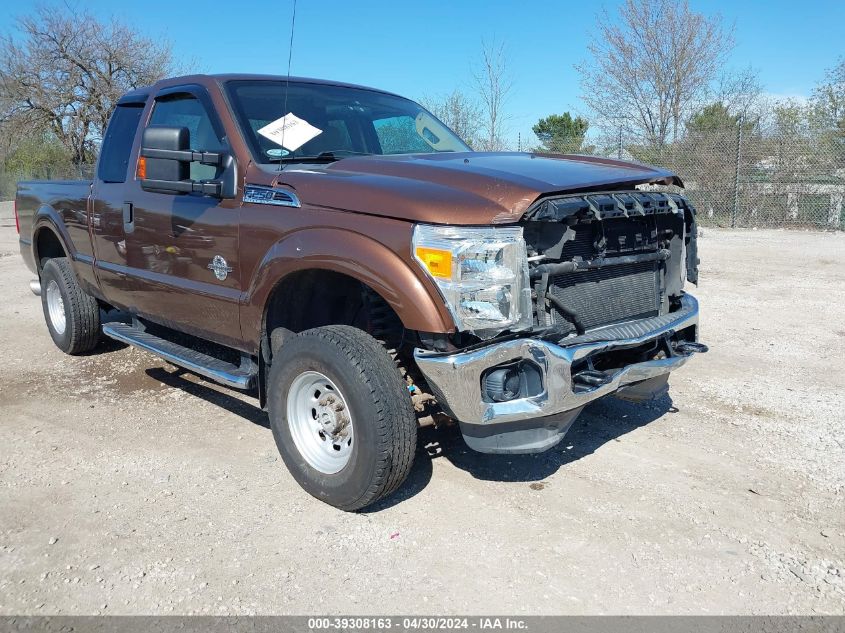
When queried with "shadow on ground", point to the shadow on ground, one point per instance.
{"points": [[603, 421], [106, 345], [417, 480], [250, 412]]}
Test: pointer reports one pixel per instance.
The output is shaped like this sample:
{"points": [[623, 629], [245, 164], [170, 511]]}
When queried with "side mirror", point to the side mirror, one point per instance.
{"points": [[165, 164], [169, 139]]}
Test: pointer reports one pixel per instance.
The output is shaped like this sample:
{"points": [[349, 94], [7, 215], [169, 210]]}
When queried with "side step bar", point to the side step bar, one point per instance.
{"points": [[236, 376]]}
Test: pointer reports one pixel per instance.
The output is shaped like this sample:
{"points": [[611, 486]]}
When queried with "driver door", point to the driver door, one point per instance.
{"points": [[182, 249]]}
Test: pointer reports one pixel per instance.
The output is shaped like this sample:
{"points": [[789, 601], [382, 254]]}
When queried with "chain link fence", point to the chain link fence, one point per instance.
{"points": [[741, 177], [736, 177], [10, 177]]}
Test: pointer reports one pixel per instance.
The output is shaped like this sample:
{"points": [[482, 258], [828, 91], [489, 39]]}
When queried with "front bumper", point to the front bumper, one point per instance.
{"points": [[538, 422]]}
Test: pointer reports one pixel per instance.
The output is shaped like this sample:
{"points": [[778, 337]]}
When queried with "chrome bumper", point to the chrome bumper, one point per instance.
{"points": [[456, 378]]}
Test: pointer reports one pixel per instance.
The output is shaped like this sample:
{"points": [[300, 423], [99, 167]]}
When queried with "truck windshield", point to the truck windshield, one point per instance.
{"points": [[348, 121]]}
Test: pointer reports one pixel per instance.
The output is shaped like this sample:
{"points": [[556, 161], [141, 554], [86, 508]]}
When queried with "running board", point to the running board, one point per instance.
{"points": [[236, 376]]}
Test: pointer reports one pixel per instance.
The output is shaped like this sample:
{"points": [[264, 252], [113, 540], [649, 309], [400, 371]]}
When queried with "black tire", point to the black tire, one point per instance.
{"points": [[81, 312], [385, 427]]}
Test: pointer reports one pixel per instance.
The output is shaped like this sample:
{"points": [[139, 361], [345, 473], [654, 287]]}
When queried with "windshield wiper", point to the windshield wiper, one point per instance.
{"points": [[340, 153], [322, 157]]}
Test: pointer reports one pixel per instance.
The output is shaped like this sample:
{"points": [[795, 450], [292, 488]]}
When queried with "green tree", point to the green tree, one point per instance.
{"points": [[712, 118], [561, 132], [717, 118], [828, 101], [40, 156], [827, 118], [34, 156]]}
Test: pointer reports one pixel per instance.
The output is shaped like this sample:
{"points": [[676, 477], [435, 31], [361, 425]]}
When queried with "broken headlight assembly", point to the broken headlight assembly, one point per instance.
{"points": [[482, 274]]}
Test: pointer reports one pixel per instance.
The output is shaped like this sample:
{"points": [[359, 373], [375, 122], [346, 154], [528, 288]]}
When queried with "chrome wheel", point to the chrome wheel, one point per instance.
{"points": [[320, 422], [56, 307]]}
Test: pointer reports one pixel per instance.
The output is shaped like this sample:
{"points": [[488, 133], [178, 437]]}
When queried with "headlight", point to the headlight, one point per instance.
{"points": [[482, 273]]}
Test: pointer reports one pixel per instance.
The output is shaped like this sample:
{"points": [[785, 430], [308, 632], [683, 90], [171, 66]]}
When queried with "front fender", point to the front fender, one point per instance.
{"points": [[414, 299]]}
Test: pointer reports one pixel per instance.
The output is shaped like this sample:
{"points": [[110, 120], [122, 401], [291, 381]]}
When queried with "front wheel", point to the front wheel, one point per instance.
{"points": [[341, 416]]}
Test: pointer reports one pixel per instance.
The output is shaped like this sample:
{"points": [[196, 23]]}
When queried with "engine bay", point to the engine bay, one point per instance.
{"points": [[600, 259]]}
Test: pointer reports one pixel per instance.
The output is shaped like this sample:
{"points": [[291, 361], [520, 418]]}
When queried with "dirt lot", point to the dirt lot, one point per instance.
{"points": [[127, 487]]}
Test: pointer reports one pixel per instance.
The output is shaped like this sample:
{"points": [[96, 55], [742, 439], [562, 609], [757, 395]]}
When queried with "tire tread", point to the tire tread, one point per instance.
{"points": [[395, 422], [82, 313]]}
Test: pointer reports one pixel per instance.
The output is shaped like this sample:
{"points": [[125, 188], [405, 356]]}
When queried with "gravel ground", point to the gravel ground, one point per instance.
{"points": [[127, 487]]}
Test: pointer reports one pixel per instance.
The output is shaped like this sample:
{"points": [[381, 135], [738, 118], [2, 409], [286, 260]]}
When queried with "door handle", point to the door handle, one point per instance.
{"points": [[128, 217]]}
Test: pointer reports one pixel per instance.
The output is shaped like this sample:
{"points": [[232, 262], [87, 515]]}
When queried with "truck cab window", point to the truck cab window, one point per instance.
{"points": [[114, 158], [398, 135], [187, 111], [351, 120]]}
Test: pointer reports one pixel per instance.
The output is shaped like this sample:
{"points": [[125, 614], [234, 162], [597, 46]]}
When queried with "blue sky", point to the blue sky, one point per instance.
{"points": [[429, 47]]}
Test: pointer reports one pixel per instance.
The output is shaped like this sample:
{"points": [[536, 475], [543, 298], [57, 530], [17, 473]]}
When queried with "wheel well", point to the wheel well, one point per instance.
{"points": [[315, 298], [47, 246]]}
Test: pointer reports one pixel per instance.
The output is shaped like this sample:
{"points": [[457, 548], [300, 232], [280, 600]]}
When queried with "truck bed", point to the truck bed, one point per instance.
{"points": [[62, 202]]}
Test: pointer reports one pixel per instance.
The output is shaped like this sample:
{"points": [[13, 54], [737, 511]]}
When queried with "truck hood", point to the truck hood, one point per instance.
{"points": [[456, 188]]}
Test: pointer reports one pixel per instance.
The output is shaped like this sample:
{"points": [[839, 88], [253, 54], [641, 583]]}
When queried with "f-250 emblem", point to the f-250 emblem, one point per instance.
{"points": [[220, 268]]}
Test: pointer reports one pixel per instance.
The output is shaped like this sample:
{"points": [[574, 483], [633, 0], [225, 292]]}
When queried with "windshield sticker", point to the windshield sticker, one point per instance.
{"points": [[290, 131], [276, 152]]}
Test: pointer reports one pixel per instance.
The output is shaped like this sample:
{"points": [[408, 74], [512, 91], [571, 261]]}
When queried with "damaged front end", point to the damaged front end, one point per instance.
{"points": [[604, 258], [606, 274]]}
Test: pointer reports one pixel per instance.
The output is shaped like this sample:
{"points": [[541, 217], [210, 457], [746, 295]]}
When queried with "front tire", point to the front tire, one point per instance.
{"points": [[341, 416], [72, 315]]}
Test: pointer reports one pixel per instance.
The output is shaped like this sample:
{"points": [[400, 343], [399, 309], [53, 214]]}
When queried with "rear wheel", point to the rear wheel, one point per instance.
{"points": [[341, 416], [72, 315]]}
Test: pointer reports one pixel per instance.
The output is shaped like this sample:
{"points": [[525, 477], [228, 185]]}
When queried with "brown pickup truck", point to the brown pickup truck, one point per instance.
{"points": [[341, 254]]}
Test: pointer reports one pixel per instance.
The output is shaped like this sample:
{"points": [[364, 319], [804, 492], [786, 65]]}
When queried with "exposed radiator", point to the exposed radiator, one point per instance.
{"points": [[607, 295]]}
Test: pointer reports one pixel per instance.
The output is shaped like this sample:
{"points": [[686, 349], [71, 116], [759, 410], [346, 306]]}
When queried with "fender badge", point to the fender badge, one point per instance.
{"points": [[219, 267]]}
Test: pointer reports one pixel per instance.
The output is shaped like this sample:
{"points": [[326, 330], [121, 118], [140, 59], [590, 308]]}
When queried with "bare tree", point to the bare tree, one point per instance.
{"points": [[740, 92], [651, 66], [459, 113], [494, 85], [66, 70]]}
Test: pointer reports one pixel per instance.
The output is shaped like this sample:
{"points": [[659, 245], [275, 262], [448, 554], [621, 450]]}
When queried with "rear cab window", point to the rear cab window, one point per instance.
{"points": [[117, 144]]}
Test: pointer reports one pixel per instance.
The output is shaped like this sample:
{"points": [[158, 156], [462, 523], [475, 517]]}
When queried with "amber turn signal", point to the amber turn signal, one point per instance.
{"points": [[437, 261], [141, 172]]}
